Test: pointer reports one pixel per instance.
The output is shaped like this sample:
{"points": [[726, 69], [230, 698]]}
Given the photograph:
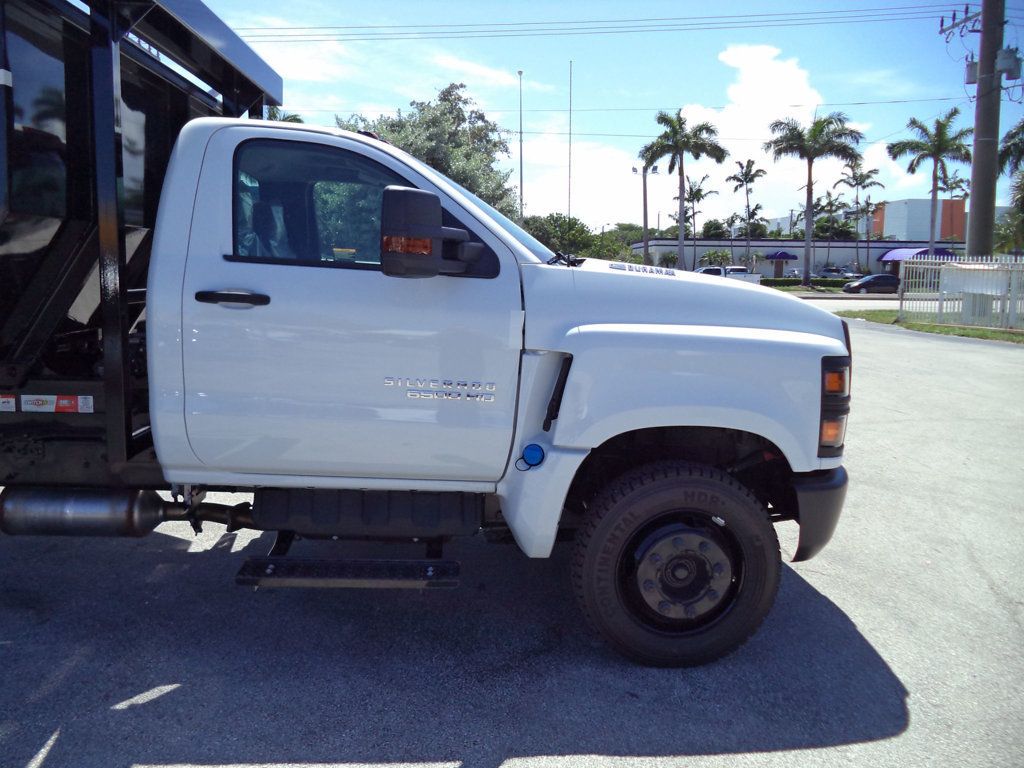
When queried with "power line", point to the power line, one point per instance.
{"points": [[932, 9], [672, 109], [478, 34]]}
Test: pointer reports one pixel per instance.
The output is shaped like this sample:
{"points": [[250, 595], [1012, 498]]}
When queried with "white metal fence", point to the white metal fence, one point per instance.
{"points": [[986, 292]]}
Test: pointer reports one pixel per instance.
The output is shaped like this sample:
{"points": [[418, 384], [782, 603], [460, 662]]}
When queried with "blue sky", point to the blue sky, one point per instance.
{"points": [[741, 75]]}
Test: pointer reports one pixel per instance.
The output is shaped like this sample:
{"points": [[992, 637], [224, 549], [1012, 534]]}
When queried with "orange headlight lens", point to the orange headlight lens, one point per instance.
{"points": [[833, 431], [837, 382]]}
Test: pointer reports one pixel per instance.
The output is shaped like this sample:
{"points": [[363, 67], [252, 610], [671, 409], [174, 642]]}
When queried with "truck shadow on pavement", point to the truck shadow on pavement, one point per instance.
{"points": [[121, 653]]}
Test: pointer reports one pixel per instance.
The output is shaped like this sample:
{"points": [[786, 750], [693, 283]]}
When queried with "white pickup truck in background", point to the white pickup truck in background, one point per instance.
{"points": [[734, 272]]}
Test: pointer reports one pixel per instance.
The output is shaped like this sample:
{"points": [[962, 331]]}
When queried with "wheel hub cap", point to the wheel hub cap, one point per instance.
{"points": [[683, 575]]}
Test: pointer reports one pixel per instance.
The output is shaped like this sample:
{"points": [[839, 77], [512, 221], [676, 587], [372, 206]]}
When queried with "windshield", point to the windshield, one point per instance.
{"points": [[532, 244]]}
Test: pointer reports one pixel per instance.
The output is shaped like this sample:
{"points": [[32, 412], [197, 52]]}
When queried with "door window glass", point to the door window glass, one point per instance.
{"points": [[300, 203]]}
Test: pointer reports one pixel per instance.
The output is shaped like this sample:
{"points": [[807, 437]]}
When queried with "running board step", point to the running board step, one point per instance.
{"points": [[351, 574]]}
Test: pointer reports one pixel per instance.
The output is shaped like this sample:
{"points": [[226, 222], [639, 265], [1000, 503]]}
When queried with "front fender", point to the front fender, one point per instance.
{"points": [[627, 377]]}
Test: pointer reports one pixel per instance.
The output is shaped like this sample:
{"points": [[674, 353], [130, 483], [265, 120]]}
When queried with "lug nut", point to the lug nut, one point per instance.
{"points": [[678, 542], [664, 606], [655, 558], [649, 585], [704, 546], [690, 611]]}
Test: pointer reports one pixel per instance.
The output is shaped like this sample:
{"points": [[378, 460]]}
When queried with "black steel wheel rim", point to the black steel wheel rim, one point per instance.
{"points": [[680, 573]]}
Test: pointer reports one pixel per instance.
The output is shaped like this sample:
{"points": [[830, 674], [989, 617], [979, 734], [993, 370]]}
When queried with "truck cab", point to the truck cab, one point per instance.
{"points": [[323, 321]]}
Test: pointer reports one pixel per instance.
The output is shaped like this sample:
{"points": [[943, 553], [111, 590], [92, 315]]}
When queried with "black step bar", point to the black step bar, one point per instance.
{"points": [[348, 574]]}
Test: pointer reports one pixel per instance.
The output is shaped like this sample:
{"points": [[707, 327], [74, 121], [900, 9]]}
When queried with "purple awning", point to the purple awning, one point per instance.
{"points": [[902, 254], [780, 255]]}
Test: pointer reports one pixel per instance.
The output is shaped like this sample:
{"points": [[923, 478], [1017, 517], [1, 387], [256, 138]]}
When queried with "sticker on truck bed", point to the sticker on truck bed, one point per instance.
{"points": [[57, 403], [8, 403], [642, 269]]}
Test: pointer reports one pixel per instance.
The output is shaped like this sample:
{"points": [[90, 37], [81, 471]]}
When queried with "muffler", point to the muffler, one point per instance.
{"points": [[83, 512]]}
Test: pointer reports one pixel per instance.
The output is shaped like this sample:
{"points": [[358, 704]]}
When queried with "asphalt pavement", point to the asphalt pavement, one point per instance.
{"points": [[899, 645]]}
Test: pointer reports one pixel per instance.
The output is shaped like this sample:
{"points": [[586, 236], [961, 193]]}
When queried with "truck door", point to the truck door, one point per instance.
{"points": [[301, 357]]}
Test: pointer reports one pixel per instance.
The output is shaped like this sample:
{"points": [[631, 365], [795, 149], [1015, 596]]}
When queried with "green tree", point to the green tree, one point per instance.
{"points": [[743, 179], [867, 210], [718, 257], [828, 136], [676, 142], [1011, 150], [561, 233], [1009, 232], [753, 225], [830, 205], [278, 113], [714, 229], [938, 144], [695, 193], [452, 136], [856, 178]]}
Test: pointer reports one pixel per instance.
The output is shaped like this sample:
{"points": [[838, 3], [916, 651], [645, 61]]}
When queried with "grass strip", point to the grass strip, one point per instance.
{"points": [[888, 317]]}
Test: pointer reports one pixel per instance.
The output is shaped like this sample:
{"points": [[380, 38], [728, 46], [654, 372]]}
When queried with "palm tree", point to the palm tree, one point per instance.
{"points": [[730, 221], [828, 136], [695, 193], [744, 178], [278, 113], [830, 205], [856, 178], [677, 141], [1011, 153], [938, 144], [868, 210]]}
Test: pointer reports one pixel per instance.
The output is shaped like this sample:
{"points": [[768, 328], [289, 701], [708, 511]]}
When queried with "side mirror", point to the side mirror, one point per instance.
{"points": [[413, 238], [410, 228]]}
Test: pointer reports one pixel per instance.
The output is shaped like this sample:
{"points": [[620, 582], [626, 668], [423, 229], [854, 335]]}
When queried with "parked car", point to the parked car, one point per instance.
{"points": [[838, 273], [873, 284]]}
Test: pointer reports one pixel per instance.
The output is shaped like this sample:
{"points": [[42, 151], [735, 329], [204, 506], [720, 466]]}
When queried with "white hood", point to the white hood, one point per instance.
{"points": [[559, 298]]}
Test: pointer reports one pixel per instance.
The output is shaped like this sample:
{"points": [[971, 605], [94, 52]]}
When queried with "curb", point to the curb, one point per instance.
{"points": [[846, 296]]}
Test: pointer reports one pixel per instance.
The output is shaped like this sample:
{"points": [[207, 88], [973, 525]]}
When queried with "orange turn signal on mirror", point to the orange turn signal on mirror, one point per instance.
{"points": [[420, 245], [833, 431], [837, 382]]}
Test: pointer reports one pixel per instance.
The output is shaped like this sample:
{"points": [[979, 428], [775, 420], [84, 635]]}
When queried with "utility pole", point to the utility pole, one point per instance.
{"points": [[569, 204], [985, 156], [520, 72]]}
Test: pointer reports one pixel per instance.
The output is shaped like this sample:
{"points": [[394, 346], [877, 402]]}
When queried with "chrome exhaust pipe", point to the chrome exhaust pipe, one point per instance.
{"points": [[83, 512]]}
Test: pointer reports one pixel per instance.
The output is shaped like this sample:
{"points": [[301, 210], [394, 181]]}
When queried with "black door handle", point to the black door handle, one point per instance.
{"points": [[233, 297]]}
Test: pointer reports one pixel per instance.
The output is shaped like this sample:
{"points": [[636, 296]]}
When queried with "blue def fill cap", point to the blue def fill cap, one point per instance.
{"points": [[533, 455]]}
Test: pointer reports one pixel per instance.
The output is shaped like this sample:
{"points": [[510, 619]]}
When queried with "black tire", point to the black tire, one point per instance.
{"points": [[707, 532]]}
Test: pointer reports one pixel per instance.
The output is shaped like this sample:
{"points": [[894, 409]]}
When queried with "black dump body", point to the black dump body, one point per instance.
{"points": [[89, 112]]}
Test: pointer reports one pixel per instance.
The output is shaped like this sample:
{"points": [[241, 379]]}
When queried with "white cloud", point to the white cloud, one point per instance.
{"points": [[478, 75], [882, 83], [324, 62]]}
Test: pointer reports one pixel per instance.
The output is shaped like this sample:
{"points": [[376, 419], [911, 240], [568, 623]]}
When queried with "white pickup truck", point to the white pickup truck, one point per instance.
{"points": [[376, 353], [734, 272]]}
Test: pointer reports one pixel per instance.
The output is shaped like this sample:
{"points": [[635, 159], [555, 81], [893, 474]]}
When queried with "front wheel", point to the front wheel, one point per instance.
{"points": [[676, 565], [863, 290]]}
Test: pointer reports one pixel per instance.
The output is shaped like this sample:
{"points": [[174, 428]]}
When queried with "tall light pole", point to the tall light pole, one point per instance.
{"points": [[520, 73], [643, 173]]}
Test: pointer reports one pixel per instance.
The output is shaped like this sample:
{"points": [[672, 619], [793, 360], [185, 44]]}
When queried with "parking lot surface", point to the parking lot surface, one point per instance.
{"points": [[899, 645]]}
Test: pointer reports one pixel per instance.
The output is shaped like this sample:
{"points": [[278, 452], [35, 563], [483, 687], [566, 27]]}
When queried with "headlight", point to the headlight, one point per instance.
{"points": [[835, 405]]}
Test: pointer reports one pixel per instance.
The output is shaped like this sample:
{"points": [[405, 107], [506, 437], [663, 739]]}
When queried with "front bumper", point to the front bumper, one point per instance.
{"points": [[819, 498]]}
